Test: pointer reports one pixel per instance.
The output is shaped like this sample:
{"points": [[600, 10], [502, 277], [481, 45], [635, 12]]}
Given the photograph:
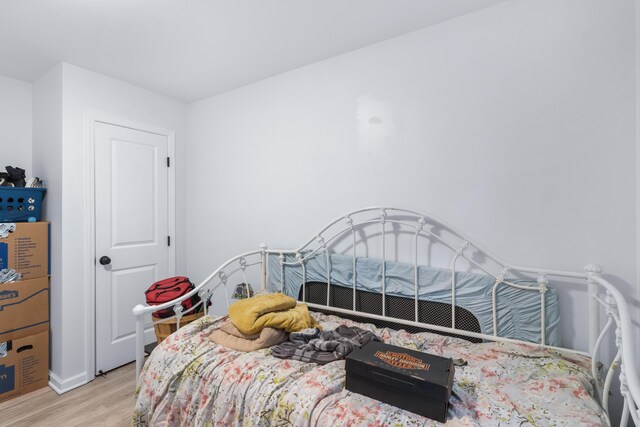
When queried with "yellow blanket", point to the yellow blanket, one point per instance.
{"points": [[277, 311]]}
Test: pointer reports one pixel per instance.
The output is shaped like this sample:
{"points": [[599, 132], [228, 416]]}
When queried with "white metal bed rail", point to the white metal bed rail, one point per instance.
{"points": [[617, 310], [599, 290], [204, 289]]}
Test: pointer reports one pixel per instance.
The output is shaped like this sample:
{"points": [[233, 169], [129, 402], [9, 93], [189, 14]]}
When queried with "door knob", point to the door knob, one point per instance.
{"points": [[105, 260]]}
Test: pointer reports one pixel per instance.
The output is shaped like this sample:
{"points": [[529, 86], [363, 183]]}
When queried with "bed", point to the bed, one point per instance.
{"points": [[429, 288]]}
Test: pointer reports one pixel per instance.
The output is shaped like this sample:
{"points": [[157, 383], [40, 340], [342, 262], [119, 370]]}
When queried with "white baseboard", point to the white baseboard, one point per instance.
{"points": [[60, 385]]}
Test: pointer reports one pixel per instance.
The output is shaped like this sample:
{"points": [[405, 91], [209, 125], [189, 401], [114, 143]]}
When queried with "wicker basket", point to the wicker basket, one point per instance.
{"points": [[169, 326]]}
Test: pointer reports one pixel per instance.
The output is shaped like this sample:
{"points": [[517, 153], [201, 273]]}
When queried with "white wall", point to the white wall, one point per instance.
{"points": [[47, 164], [15, 124], [70, 92], [515, 123]]}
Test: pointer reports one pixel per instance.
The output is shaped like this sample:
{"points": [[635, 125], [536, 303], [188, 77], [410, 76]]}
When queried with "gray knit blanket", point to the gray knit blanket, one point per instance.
{"points": [[312, 345]]}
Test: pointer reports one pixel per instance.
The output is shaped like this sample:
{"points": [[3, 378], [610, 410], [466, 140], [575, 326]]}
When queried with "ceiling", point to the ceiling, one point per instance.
{"points": [[191, 49]]}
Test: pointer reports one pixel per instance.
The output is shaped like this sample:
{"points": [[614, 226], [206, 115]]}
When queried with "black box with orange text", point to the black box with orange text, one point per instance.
{"points": [[412, 380]]}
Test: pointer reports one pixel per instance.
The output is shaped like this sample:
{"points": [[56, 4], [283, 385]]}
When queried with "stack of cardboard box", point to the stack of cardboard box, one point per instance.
{"points": [[24, 310]]}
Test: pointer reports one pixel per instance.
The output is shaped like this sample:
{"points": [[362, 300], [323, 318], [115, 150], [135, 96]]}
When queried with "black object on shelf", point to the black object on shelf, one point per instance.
{"points": [[149, 347]]}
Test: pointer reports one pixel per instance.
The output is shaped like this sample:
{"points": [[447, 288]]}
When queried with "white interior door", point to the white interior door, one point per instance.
{"points": [[132, 245]]}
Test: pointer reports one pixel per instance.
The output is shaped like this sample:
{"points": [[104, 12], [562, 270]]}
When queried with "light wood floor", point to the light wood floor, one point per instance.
{"points": [[105, 401]]}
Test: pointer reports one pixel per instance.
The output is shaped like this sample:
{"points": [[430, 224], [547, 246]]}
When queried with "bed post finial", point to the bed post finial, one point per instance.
{"points": [[543, 281], [593, 269], [593, 307]]}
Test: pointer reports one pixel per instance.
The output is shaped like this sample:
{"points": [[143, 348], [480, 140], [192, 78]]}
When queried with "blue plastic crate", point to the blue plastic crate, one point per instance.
{"points": [[21, 204]]}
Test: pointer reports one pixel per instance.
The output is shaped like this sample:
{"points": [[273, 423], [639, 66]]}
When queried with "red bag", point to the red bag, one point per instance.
{"points": [[169, 289]]}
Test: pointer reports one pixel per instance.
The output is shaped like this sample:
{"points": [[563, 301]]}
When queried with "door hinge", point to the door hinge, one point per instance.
{"points": [[168, 162], [168, 240]]}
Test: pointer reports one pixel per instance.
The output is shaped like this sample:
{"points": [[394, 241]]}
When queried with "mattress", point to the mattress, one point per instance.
{"points": [[518, 311], [190, 381]]}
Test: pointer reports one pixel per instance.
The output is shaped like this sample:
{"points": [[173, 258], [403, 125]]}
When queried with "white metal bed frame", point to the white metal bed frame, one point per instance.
{"points": [[600, 292]]}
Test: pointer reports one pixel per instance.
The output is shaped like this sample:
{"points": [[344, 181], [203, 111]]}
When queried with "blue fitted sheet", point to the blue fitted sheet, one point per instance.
{"points": [[518, 311]]}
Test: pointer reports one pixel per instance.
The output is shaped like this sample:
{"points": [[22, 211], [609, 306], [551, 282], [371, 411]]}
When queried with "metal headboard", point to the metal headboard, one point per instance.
{"points": [[350, 230], [393, 220]]}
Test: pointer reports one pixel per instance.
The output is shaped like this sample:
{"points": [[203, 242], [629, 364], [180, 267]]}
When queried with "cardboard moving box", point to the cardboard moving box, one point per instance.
{"points": [[24, 308], [26, 249], [412, 380], [24, 365]]}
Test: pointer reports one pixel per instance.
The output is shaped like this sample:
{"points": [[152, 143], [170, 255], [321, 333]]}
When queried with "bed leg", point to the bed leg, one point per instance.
{"points": [[139, 342]]}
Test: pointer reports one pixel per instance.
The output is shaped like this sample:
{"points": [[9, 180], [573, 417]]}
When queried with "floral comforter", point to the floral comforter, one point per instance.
{"points": [[190, 381]]}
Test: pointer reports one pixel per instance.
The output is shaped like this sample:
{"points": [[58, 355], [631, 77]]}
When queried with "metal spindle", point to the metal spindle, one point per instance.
{"points": [[542, 284], [594, 357], [177, 309], [203, 298], [304, 276], [460, 252], [243, 267], [354, 275], [494, 312], [384, 262], [263, 267], [415, 275], [593, 308], [624, 419], [607, 382], [223, 280], [267, 274], [419, 228], [328, 266], [281, 259], [207, 305], [494, 299]]}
